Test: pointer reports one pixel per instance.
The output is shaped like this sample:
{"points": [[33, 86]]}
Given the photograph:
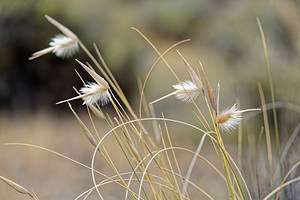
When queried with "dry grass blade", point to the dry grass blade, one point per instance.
{"points": [[287, 175], [191, 166], [73, 98], [16, 186], [240, 145], [281, 187], [95, 76], [218, 97], [96, 111], [272, 93], [86, 131], [267, 130], [194, 76], [41, 53], [258, 182], [278, 104], [164, 97], [62, 28], [289, 142], [210, 92], [168, 158], [108, 70]]}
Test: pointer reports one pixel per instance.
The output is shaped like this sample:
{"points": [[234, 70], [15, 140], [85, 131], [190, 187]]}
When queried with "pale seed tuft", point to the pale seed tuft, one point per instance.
{"points": [[64, 46], [230, 118]]}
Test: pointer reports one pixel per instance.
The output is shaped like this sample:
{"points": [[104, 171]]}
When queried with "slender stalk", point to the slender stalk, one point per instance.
{"points": [[287, 175], [176, 162], [118, 140], [169, 162], [272, 97], [225, 167], [240, 146], [192, 164], [268, 138], [281, 187], [240, 142]]}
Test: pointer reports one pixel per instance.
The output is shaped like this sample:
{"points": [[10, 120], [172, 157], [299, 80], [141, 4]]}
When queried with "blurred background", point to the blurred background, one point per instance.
{"points": [[224, 36]]}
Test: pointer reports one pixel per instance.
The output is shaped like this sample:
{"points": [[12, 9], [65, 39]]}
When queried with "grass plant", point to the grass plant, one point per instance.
{"points": [[145, 140]]}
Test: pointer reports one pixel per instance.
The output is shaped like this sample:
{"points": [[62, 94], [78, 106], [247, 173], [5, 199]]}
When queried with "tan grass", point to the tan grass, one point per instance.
{"points": [[153, 169]]}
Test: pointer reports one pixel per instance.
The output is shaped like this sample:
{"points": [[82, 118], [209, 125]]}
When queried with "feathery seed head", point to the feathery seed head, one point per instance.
{"points": [[186, 90], [183, 88], [64, 46], [230, 118], [91, 93], [94, 93]]}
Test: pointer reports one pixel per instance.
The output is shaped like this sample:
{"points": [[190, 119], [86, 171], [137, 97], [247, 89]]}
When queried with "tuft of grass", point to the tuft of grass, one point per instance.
{"points": [[145, 141]]}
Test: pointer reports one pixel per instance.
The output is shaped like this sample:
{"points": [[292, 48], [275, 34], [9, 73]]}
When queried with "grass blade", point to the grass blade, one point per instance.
{"points": [[272, 95]]}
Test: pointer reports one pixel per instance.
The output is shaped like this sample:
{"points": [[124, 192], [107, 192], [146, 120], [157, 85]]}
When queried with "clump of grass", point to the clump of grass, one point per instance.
{"points": [[155, 171]]}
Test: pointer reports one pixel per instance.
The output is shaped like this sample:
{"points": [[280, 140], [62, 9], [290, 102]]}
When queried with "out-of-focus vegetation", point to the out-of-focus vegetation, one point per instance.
{"points": [[225, 37]]}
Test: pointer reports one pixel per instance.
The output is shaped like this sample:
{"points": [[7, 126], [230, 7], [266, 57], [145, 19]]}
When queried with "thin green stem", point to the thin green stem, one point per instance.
{"points": [[272, 97]]}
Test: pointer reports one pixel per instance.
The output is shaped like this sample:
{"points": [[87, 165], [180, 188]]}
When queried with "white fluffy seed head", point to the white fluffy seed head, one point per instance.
{"points": [[229, 119], [183, 88], [64, 47], [95, 93]]}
